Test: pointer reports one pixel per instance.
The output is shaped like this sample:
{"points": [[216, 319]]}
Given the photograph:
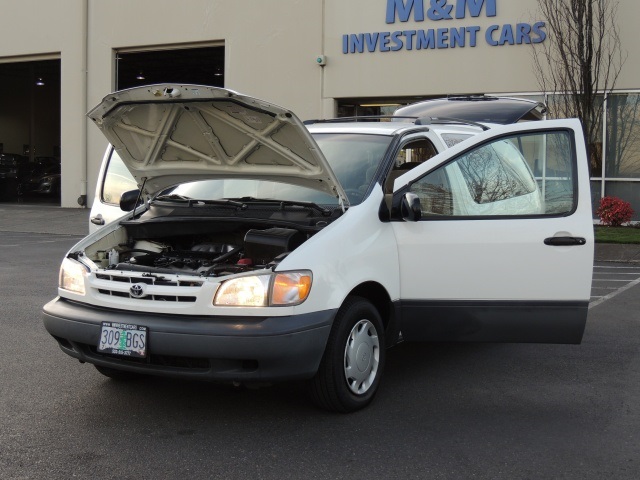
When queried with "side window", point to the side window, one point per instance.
{"points": [[117, 180], [413, 154], [496, 172], [527, 174], [409, 156]]}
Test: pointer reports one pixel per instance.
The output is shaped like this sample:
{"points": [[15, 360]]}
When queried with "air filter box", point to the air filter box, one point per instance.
{"points": [[262, 246]]}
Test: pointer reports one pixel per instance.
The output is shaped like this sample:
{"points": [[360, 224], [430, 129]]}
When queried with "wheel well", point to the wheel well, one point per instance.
{"points": [[378, 296]]}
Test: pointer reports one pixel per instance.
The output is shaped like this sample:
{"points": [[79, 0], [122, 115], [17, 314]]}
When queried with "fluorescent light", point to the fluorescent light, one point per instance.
{"points": [[380, 105]]}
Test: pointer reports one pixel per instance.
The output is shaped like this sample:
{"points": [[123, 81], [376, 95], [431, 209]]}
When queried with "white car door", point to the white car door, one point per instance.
{"points": [[114, 179], [503, 248]]}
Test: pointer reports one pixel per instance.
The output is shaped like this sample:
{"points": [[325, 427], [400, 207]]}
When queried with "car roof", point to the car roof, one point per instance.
{"points": [[388, 128], [477, 108]]}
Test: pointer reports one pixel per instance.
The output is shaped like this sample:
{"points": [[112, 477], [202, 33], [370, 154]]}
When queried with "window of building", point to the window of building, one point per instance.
{"points": [[623, 136], [195, 65]]}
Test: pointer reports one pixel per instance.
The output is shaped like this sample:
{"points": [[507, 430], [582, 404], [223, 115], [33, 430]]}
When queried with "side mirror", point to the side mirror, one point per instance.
{"points": [[128, 200], [410, 208]]}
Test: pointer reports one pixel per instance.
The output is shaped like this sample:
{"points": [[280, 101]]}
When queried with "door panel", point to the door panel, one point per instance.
{"points": [[479, 266]]}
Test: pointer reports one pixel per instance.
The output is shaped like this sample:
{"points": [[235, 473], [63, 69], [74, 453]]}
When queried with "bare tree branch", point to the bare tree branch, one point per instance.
{"points": [[581, 60]]}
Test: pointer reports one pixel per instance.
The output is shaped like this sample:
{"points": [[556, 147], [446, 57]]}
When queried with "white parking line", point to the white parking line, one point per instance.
{"points": [[613, 294], [613, 266], [617, 273], [608, 280], [612, 275]]}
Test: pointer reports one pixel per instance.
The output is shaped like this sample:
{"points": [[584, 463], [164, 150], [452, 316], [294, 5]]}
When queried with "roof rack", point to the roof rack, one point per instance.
{"points": [[474, 97], [364, 118], [416, 120], [443, 120]]}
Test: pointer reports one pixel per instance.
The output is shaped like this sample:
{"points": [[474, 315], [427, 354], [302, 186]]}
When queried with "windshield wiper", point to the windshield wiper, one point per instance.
{"points": [[174, 197], [222, 201], [284, 203]]}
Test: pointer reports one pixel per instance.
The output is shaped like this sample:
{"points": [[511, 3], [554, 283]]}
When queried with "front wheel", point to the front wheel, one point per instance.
{"points": [[353, 361]]}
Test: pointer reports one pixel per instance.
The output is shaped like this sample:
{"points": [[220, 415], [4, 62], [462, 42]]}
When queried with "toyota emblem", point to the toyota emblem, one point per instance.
{"points": [[137, 290]]}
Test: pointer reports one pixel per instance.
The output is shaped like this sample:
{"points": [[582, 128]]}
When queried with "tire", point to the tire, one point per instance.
{"points": [[353, 361], [120, 375]]}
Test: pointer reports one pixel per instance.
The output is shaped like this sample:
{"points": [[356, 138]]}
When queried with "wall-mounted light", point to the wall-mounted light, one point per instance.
{"points": [[140, 76], [39, 82]]}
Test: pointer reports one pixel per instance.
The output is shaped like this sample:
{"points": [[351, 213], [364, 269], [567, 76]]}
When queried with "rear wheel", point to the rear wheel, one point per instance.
{"points": [[114, 374], [353, 361]]}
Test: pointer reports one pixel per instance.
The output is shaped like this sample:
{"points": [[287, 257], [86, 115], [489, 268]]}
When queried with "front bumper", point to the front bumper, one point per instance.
{"points": [[242, 349]]}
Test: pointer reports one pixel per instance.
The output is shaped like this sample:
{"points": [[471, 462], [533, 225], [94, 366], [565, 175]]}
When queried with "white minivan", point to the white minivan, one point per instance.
{"points": [[262, 250]]}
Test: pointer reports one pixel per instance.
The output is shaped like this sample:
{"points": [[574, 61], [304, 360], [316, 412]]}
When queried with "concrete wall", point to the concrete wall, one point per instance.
{"points": [[483, 68], [270, 48], [35, 30]]}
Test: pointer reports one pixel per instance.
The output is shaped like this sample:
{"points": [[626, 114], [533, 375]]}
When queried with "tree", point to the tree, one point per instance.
{"points": [[581, 60]]}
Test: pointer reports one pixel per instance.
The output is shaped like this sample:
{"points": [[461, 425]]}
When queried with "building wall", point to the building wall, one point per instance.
{"points": [[269, 53], [270, 50], [439, 71], [36, 30]]}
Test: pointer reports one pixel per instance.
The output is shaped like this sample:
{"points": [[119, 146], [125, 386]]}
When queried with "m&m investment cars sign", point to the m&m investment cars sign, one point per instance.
{"points": [[442, 12]]}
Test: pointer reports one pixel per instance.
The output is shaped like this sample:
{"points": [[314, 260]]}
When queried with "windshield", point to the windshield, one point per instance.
{"points": [[354, 158]]}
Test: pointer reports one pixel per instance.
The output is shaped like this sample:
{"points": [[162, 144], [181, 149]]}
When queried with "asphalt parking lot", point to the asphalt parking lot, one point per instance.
{"points": [[611, 279], [443, 411]]}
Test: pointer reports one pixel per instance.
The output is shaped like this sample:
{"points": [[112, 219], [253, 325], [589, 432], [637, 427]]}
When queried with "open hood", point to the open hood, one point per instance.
{"points": [[169, 134]]}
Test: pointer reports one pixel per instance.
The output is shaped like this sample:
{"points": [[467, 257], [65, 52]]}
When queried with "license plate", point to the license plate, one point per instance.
{"points": [[123, 339]]}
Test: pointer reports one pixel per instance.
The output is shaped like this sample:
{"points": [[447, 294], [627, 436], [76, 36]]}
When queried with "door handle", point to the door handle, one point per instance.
{"points": [[97, 220], [565, 241]]}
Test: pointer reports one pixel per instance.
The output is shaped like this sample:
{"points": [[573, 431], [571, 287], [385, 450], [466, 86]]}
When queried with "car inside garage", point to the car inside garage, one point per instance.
{"points": [[30, 132], [30, 141]]}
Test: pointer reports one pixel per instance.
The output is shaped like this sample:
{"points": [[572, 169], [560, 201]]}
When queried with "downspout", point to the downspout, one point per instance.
{"points": [[322, 40], [84, 165]]}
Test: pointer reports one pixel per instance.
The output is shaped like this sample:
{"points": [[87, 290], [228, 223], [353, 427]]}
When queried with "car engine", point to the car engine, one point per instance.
{"points": [[201, 255]]}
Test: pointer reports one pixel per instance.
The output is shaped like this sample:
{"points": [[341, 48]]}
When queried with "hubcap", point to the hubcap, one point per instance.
{"points": [[361, 357]]}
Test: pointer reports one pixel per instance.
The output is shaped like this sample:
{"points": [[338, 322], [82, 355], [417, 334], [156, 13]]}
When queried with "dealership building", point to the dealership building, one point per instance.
{"points": [[319, 58]]}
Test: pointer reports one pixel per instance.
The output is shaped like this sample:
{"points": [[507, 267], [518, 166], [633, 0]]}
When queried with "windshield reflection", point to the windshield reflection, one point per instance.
{"points": [[354, 158]]}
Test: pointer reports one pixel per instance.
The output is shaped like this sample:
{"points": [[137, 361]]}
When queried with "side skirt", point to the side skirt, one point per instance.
{"points": [[493, 321]]}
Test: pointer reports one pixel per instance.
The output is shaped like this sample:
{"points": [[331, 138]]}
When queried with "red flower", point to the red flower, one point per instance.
{"points": [[614, 211]]}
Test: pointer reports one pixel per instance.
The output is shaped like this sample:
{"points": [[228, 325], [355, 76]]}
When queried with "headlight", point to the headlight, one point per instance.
{"points": [[278, 289], [72, 276], [244, 292]]}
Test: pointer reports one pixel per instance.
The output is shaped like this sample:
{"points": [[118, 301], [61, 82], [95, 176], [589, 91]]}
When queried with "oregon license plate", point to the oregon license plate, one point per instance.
{"points": [[123, 339]]}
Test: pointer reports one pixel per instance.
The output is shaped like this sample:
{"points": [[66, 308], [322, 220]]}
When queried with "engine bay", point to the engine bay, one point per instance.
{"points": [[204, 242], [202, 255]]}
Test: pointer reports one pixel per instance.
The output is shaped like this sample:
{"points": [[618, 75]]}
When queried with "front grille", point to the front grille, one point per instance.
{"points": [[157, 298], [187, 363], [170, 295], [149, 280]]}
